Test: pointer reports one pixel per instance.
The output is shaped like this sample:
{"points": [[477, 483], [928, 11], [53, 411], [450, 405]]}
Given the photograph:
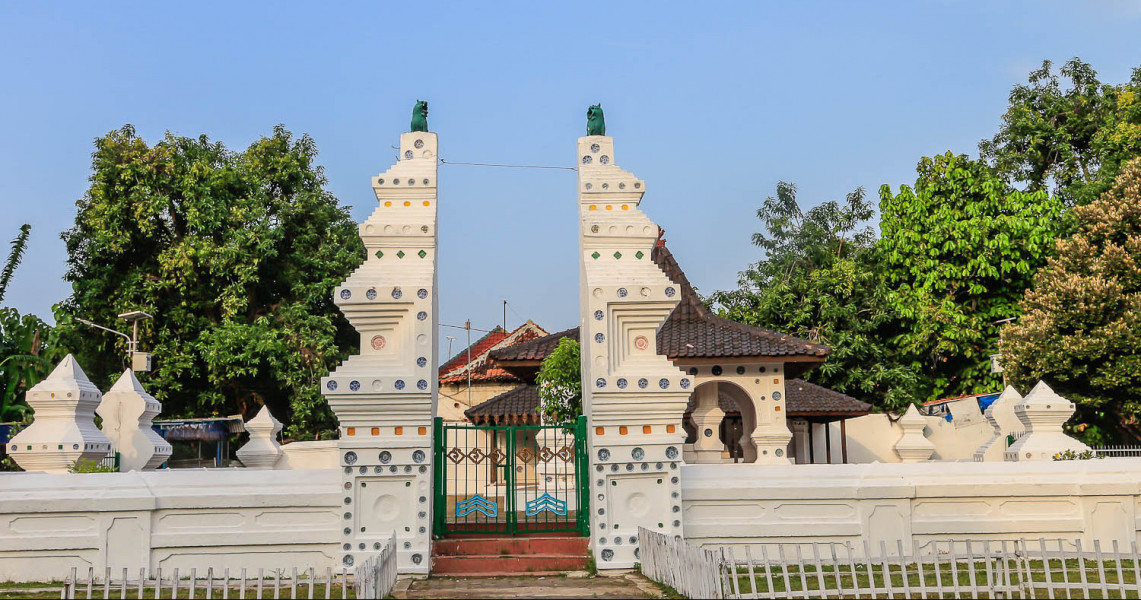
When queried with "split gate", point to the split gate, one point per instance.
{"points": [[511, 479]]}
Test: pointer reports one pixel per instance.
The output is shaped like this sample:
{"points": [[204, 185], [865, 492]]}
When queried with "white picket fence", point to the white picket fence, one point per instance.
{"points": [[373, 578], [691, 570], [946, 569], [377, 576]]}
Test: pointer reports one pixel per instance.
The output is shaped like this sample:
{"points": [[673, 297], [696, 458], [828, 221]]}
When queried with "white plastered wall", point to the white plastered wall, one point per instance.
{"points": [[739, 505], [186, 518], [872, 438]]}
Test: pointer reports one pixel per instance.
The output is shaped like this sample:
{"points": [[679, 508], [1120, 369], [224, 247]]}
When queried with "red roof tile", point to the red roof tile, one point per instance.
{"points": [[456, 369]]}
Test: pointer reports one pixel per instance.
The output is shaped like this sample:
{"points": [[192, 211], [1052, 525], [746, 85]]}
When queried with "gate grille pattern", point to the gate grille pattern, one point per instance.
{"points": [[509, 479]]}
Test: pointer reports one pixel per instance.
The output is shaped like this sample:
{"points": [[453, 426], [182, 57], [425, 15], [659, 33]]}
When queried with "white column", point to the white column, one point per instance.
{"points": [[64, 430], [384, 397], [128, 413], [633, 398], [707, 416]]}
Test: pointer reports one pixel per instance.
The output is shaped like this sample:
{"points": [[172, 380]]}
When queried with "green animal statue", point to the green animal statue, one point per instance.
{"points": [[595, 121], [420, 116]]}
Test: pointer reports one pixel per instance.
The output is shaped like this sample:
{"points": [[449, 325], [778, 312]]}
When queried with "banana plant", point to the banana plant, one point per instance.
{"points": [[23, 364]]}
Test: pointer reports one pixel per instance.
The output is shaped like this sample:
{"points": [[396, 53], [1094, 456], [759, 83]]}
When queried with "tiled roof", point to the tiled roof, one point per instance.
{"points": [[808, 399], [456, 369], [802, 399], [534, 350], [480, 346], [518, 405], [691, 331]]}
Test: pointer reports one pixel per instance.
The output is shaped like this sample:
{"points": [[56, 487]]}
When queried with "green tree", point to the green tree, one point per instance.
{"points": [[234, 253], [1075, 136], [1081, 324], [960, 248], [820, 279], [560, 383]]}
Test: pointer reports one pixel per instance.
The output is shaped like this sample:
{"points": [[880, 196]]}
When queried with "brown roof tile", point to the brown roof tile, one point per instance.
{"points": [[691, 331], [536, 349], [803, 399], [519, 404], [456, 369]]}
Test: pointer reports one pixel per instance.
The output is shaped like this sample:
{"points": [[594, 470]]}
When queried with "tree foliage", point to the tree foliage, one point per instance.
{"points": [[26, 353], [560, 383], [960, 248], [19, 245], [1075, 136], [24, 360], [1081, 323], [819, 279], [234, 253]]}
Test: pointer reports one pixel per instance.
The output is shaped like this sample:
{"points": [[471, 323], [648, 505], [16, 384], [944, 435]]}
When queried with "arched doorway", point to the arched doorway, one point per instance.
{"points": [[719, 421]]}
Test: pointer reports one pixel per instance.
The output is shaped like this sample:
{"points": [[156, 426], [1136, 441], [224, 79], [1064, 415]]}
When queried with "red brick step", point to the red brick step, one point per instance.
{"points": [[567, 546], [488, 556]]}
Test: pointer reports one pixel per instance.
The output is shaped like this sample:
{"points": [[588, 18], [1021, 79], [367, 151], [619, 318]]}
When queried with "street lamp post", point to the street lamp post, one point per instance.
{"points": [[140, 361]]}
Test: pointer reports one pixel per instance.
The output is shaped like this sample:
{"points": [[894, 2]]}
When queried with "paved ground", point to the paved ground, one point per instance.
{"points": [[628, 585]]}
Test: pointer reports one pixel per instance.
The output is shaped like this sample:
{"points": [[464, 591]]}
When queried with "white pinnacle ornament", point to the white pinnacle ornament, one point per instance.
{"points": [[1042, 413], [913, 446], [64, 430], [1002, 418], [128, 412], [263, 450]]}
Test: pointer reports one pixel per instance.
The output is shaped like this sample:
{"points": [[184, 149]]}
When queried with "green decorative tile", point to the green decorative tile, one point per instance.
{"points": [[379, 254], [595, 256], [422, 254], [400, 254], [617, 254], [639, 255]]}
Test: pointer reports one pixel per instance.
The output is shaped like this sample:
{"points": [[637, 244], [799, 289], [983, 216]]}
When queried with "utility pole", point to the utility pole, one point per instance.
{"points": [[467, 326]]}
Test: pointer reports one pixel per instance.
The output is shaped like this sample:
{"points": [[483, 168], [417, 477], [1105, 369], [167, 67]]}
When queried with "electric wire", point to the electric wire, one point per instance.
{"points": [[476, 164]]}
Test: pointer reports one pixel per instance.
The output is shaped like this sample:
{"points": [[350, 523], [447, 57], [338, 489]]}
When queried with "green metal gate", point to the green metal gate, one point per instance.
{"points": [[510, 479]]}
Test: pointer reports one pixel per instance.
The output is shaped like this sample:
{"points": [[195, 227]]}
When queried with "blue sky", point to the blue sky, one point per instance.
{"points": [[710, 103]]}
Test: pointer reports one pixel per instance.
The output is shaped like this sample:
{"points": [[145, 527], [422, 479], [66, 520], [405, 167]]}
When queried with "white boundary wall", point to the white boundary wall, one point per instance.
{"points": [[183, 518], [739, 505]]}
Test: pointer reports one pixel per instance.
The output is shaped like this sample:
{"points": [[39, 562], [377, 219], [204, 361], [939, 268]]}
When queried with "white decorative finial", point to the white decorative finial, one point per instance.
{"points": [[128, 412], [1042, 413], [1000, 414], [64, 430], [913, 446], [263, 450]]}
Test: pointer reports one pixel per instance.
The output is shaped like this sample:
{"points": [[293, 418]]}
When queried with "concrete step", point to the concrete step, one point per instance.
{"points": [[492, 565], [514, 546]]}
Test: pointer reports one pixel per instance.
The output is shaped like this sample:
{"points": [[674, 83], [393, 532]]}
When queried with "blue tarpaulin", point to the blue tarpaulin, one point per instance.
{"points": [[986, 400]]}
